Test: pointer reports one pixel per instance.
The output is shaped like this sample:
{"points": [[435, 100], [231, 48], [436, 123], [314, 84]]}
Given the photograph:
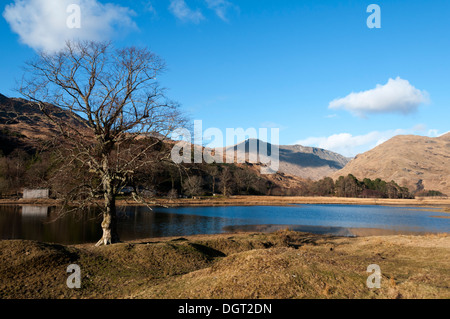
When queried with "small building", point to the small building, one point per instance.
{"points": [[36, 193]]}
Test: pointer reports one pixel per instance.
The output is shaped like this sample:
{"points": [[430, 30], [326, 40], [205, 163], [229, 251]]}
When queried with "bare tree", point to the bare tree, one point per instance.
{"points": [[226, 181], [172, 194], [13, 171], [245, 179], [213, 172], [193, 185], [119, 116]]}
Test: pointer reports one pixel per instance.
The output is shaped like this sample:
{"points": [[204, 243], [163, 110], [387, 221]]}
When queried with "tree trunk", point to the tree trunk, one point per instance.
{"points": [[109, 224]]}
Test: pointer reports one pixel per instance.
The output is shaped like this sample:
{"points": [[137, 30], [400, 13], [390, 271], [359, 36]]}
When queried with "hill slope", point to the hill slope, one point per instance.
{"points": [[406, 159], [23, 125], [300, 161]]}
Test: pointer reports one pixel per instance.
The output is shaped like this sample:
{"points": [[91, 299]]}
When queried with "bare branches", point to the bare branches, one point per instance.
{"points": [[122, 113]]}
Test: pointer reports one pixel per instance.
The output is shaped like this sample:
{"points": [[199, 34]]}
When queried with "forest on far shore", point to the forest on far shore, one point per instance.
{"points": [[20, 169]]}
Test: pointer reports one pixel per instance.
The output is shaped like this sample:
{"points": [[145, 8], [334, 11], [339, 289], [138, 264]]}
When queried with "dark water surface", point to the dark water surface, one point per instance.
{"points": [[38, 223]]}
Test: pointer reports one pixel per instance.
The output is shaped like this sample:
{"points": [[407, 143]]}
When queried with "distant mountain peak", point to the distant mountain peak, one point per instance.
{"points": [[298, 160]]}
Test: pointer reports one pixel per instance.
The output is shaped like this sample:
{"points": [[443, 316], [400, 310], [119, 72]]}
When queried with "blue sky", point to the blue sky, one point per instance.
{"points": [[291, 64]]}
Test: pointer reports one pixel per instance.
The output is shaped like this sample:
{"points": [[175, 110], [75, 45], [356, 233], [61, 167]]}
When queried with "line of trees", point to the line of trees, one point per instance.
{"points": [[350, 186], [225, 180], [19, 170]]}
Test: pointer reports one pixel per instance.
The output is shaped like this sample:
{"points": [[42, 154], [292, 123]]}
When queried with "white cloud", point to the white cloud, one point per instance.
{"points": [[181, 10], [42, 24], [351, 145], [396, 96], [348, 144], [221, 7]]}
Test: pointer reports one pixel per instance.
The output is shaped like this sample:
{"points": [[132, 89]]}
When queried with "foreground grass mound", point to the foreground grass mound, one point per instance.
{"points": [[284, 265]]}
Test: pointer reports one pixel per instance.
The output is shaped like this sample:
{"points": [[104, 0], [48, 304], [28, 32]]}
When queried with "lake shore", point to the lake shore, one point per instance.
{"points": [[442, 204], [279, 265]]}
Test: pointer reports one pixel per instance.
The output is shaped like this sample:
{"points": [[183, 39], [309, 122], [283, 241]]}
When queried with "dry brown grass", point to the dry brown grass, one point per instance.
{"points": [[286, 200], [411, 269], [282, 265]]}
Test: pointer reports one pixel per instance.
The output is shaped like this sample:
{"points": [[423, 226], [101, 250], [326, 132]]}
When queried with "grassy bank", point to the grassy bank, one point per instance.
{"points": [[266, 201], [284, 265]]}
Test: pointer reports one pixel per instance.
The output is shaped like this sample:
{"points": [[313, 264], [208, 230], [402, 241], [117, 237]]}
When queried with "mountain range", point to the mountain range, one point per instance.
{"points": [[416, 162], [297, 160]]}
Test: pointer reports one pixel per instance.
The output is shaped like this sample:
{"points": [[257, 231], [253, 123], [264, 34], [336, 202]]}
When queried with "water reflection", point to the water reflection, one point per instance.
{"points": [[140, 222], [34, 211], [43, 224]]}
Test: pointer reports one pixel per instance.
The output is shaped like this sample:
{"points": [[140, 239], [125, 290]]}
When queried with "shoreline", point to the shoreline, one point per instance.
{"points": [[442, 204]]}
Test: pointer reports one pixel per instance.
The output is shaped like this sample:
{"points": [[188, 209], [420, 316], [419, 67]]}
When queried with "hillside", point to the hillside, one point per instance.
{"points": [[281, 265], [406, 159], [301, 161], [24, 126]]}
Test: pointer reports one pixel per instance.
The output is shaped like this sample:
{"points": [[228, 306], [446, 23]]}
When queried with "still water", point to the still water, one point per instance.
{"points": [[40, 223]]}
